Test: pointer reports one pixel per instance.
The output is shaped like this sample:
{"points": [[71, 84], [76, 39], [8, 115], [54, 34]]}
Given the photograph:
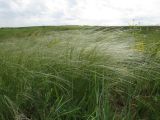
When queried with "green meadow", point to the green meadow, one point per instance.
{"points": [[80, 73]]}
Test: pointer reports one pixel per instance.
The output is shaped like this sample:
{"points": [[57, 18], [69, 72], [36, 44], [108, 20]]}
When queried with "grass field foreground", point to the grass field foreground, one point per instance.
{"points": [[80, 73]]}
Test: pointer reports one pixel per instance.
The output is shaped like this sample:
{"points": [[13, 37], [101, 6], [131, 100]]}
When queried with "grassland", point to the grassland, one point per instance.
{"points": [[80, 73]]}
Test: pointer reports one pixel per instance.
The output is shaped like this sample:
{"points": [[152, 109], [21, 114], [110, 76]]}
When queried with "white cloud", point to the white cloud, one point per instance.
{"points": [[81, 12]]}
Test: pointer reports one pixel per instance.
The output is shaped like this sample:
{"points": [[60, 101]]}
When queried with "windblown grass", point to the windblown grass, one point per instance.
{"points": [[80, 73]]}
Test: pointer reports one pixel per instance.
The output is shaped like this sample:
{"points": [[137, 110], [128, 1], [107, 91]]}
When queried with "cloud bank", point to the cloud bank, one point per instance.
{"points": [[14, 13]]}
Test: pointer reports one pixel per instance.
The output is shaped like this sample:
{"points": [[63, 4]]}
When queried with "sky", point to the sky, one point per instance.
{"points": [[19, 13]]}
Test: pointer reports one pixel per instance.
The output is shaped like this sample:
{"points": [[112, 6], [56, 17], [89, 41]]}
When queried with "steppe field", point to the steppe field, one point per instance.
{"points": [[80, 73]]}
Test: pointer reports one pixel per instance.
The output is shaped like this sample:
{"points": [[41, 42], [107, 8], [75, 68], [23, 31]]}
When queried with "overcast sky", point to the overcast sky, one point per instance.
{"points": [[78, 12]]}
